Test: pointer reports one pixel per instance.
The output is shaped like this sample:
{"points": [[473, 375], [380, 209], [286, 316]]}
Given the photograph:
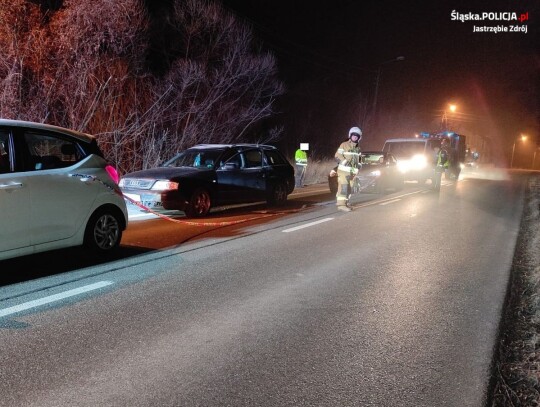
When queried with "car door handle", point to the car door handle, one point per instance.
{"points": [[14, 185]]}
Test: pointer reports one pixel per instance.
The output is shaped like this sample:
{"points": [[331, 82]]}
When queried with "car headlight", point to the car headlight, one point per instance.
{"points": [[419, 162], [376, 173], [404, 166], [164, 185]]}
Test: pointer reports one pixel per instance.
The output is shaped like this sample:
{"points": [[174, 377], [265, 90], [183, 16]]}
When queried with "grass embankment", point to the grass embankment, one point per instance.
{"points": [[317, 171], [517, 365]]}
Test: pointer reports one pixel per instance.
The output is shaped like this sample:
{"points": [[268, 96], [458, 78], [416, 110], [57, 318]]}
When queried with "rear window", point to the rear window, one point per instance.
{"points": [[50, 151], [273, 157], [5, 161]]}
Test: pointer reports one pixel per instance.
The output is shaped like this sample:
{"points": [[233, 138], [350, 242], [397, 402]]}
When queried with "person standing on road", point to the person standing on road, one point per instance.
{"points": [[347, 157], [300, 157], [441, 165]]}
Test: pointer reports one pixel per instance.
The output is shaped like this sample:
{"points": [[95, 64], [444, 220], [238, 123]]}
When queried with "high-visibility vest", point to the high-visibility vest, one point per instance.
{"points": [[300, 157], [443, 158]]}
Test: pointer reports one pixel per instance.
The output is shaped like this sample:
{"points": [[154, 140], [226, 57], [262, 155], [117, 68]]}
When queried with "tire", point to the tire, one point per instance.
{"points": [[199, 204], [103, 231], [277, 194]]}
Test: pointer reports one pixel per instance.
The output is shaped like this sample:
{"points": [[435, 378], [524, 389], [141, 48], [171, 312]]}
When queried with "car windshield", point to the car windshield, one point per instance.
{"points": [[195, 159], [406, 148], [372, 158]]}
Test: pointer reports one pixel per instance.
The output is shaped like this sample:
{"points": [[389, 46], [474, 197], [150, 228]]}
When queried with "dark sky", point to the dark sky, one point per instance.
{"points": [[329, 52]]}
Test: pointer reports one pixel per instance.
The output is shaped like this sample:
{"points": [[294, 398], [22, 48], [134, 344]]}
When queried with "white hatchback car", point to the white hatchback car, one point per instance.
{"points": [[56, 191]]}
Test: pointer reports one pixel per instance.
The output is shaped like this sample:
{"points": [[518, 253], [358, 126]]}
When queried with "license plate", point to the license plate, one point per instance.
{"points": [[151, 201], [134, 197]]}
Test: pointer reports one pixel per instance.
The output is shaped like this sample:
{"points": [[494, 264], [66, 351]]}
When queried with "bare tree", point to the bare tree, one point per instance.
{"points": [[84, 66]]}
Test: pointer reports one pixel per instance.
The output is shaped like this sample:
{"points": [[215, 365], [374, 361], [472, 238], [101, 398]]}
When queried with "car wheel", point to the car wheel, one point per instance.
{"points": [[277, 195], [103, 231], [199, 204]]}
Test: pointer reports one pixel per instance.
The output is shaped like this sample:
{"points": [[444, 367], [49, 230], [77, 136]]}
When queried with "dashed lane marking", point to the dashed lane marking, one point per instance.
{"points": [[389, 202], [53, 298], [306, 225]]}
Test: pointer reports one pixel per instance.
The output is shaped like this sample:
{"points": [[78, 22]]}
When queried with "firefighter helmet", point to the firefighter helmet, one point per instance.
{"points": [[355, 133]]}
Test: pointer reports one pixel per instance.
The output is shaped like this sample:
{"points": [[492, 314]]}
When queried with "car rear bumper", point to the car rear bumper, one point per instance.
{"points": [[156, 201]]}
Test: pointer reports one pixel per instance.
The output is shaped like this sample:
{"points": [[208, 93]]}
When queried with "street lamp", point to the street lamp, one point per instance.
{"points": [[400, 58], [444, 118], [522, 138]]}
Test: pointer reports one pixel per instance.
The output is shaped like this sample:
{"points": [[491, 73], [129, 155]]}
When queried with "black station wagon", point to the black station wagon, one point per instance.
{"points": [[209, 175]]}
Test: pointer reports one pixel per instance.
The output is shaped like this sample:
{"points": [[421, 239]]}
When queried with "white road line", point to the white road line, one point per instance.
{"points": [[142, 215], [389, 202], [52, 298], [307, 225]]}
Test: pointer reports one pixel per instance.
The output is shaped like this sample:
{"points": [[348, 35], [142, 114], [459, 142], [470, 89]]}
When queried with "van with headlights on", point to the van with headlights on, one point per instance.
{"points": [[416, 156]]}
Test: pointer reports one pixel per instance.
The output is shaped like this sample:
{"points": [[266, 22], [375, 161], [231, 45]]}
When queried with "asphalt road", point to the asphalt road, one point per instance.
{"points": [[394, 304]]}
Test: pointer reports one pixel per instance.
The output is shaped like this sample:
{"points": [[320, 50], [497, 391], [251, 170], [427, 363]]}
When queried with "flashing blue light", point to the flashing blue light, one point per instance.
{"points": [[447, 134]]}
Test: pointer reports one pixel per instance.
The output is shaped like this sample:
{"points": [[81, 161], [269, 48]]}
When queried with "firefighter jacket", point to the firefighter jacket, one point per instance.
{"points": [[348, 160]]}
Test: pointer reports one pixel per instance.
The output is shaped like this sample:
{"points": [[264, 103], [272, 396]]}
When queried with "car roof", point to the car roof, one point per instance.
{"points": [[42, 126], [224, 146]]}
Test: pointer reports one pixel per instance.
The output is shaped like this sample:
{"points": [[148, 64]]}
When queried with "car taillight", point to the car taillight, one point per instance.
{"points": [[112, 173]]}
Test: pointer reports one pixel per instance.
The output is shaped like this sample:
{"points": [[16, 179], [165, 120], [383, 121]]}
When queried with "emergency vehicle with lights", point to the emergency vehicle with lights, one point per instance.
{"points": [[416, 155]]}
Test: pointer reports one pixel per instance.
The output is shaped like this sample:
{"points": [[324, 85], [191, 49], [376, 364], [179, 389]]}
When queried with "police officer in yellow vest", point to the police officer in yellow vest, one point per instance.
{"points": [[300, 157], [441, 165], [347, 156]]}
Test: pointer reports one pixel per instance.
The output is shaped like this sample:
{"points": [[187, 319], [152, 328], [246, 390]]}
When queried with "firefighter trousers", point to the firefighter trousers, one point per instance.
{"points": [[344, 185]]}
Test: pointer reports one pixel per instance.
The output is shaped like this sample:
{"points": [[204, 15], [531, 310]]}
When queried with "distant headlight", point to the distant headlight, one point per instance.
{"points": [[163, 185], [376, 173]]}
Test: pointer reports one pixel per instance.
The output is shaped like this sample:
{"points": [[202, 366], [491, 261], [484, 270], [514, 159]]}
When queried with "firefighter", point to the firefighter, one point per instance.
{"points": [[300, 158], [347, 157]]}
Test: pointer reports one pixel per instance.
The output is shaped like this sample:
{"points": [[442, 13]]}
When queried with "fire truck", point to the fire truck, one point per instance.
{"points": [[416, 156]]}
